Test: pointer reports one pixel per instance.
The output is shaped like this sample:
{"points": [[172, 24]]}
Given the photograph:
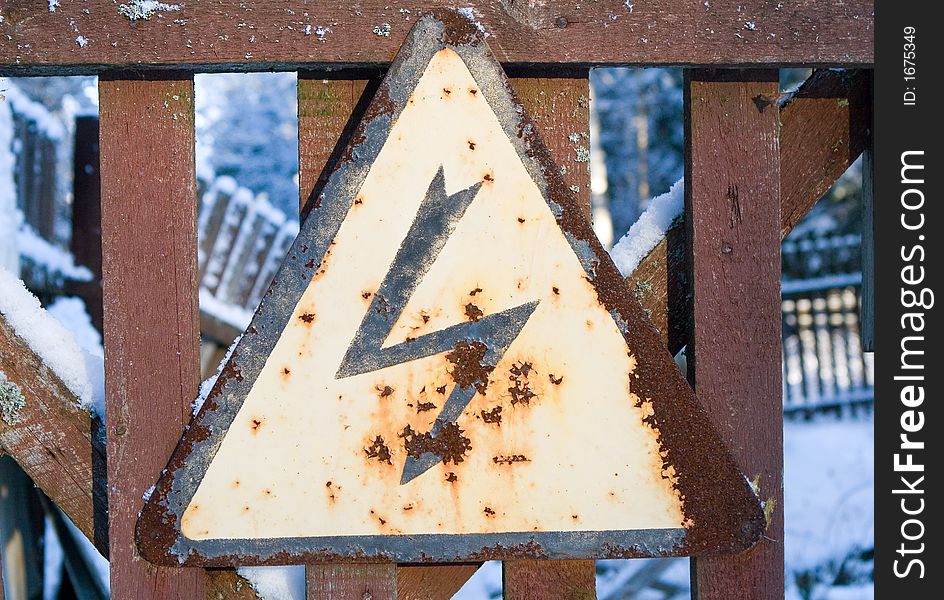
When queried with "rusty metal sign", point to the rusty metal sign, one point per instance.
{"points": [[448, 366]]}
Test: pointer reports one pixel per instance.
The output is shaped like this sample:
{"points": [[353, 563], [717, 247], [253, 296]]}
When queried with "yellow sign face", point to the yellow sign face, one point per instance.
{"points": [[442, 370]]}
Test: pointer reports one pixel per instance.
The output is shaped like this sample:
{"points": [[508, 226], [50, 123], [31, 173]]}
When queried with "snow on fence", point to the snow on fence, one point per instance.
{"points": [[242, 240], [824, 366]]}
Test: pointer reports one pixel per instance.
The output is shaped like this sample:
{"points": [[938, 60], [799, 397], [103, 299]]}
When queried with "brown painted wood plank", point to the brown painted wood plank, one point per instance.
{"points": [[233, 35], [824, 128], [826, 125], [56, 443], [549, 580], [560, 108], [351, 582], [733, 210], [329, 107], [152, 367], [432, 582]]}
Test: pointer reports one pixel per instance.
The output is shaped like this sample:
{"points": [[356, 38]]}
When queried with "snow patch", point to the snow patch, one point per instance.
{"points": [[231, 314], [31, 110], [321, 32], [829, 506], [10, 216], [48, 338], [276, 583], [53, 5], [49, 257], [649, 229], [81, 41], [469, 13], [207, 386], [142, 10], [72, 314]]}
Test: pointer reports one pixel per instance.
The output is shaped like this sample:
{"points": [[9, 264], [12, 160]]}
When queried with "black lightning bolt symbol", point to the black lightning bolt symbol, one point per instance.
{"points": [[435, 221]]}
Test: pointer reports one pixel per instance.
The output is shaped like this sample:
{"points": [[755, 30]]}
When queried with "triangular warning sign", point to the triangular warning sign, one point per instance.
{"points": [[448, 366]]}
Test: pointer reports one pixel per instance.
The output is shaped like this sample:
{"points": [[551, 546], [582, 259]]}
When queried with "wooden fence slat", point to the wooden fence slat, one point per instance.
{"points": [[220, 256], [549, 580], [733, 210], [275, 255], [830, 111], [825, 126], [152, 366], [46, 173], [241, 252], [560, 108], [211, 224], [255, 261], [228, 35], [87, 213], [351, 582], [54, 441], [427, 582]]}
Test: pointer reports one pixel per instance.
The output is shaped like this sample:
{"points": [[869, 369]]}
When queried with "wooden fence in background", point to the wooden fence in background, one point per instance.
{"points": [[825, 368]]}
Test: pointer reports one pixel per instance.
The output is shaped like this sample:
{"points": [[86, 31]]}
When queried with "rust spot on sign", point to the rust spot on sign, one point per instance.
{"points": [[379, 450], [449, 444], [473, 312], [509, 459], [492, 416], [520, 390], [307, 317], [468, 367]]}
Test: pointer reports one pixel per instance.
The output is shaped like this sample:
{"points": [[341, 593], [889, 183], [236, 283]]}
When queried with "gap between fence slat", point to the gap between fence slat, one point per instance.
{"points": [[733, 220]]}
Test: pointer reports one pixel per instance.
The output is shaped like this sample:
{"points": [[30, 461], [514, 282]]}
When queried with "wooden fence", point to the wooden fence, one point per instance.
{"points": [[777, 159], [824, 365], [36, 140], [242, 240]]}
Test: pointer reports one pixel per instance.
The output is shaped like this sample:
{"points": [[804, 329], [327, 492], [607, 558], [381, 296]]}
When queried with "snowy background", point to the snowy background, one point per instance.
{"points": [[247, 152]]}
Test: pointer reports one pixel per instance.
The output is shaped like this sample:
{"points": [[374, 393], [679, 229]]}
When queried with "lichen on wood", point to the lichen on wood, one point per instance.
{"points": [[11, 401]]}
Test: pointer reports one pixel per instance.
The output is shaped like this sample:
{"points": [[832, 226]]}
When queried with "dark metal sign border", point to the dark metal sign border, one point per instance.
{"points": [[723, 511]]}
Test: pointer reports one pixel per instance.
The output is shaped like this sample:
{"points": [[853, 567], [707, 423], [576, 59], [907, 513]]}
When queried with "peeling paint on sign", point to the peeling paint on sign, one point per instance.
{"points": [[448, 366]]}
